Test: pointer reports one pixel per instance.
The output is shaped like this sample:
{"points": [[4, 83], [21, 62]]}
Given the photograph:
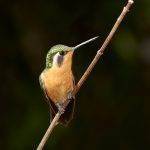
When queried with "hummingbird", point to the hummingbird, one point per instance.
{"points": [[57, 81]]}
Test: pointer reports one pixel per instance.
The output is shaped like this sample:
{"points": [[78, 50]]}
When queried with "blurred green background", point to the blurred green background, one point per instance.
{"points": [[112, 108]]}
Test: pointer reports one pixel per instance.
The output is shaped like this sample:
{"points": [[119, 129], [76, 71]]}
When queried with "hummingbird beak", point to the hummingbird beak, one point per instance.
{"points": [[83, 43]]}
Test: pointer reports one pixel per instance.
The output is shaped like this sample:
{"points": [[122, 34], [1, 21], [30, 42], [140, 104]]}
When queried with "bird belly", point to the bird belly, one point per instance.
{"points": [[59, 84]]}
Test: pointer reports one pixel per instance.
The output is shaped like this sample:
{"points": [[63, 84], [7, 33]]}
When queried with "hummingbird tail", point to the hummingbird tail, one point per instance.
{"points": [[67, 116]]}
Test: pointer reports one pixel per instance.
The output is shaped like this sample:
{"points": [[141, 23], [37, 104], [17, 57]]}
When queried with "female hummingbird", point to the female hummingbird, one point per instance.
{"points": [[57, 81]]}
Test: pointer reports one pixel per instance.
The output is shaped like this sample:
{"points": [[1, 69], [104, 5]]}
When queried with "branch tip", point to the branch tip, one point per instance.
{"points": [[130, 1]]}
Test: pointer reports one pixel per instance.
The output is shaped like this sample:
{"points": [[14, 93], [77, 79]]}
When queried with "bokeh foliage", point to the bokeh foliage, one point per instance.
{"points": [[112, 108]]}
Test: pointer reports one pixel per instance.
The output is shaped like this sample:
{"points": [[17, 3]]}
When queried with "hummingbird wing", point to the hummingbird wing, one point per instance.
{"points": [[52, 111]]}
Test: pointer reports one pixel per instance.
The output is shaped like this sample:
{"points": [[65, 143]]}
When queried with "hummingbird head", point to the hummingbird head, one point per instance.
{"points": [[58, 53]]}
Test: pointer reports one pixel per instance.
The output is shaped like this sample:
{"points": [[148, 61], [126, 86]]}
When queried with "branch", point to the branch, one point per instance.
{"points": [[88, 71]]}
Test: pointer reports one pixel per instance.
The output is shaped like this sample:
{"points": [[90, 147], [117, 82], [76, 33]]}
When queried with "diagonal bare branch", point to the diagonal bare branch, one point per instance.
{"points": [[88, 71]]}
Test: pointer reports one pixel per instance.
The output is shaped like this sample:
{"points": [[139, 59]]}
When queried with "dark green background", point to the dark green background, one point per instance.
{"points": [[112, 108]]}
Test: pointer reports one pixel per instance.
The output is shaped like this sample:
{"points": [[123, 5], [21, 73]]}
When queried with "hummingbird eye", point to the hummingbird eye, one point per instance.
{"points": [[61, 53]]}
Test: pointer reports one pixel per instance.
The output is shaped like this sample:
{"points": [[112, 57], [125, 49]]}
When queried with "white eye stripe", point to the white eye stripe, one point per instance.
{"points": [[57, 59]]}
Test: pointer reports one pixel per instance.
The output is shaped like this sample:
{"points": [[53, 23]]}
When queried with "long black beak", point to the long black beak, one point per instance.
{"points": [[83, 43]]}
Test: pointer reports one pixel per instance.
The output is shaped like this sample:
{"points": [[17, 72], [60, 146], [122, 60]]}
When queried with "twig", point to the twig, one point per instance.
{"points": [[106, 42], [88, 71]]}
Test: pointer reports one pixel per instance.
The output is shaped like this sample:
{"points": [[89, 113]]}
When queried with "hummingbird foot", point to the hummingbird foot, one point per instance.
{"points": [[60, 107], [71, 96]]}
